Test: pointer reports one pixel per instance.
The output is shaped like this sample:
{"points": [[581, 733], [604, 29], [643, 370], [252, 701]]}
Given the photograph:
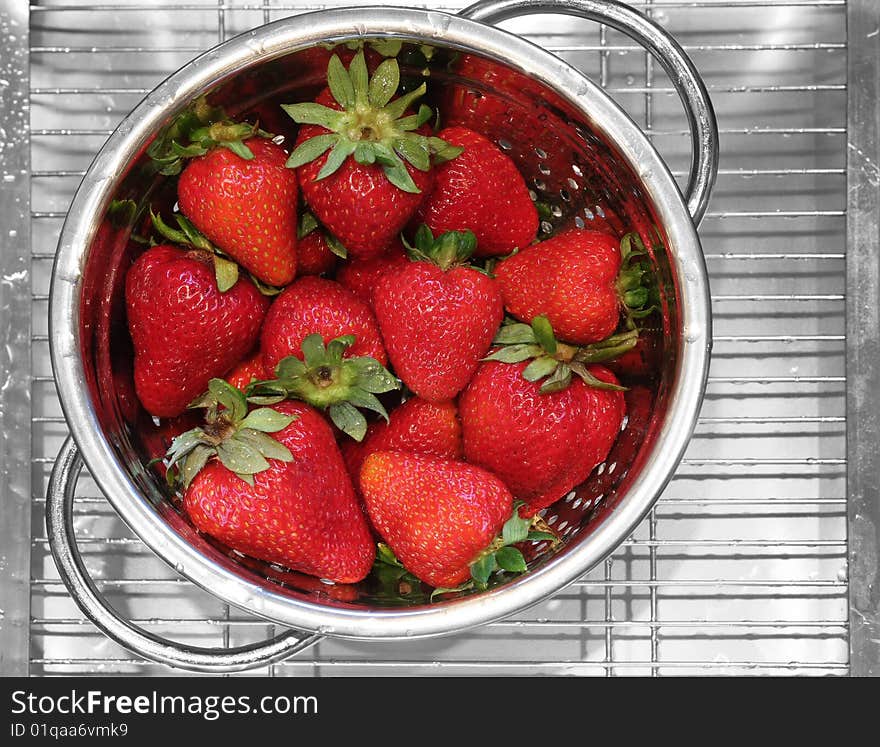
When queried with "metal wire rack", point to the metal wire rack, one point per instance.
{"points": [[743, 565]]}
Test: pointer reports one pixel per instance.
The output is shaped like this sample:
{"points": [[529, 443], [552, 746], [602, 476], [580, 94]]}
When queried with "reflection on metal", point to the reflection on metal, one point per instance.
{"points": [[15, 343], [863, 334]]}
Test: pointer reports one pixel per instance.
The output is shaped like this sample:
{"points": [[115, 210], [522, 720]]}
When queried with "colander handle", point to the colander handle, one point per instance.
{"points": [[62, 541], [681, 70]]}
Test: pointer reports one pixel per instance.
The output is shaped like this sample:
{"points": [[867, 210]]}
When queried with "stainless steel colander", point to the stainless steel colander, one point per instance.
{"points": [[581, 155]]}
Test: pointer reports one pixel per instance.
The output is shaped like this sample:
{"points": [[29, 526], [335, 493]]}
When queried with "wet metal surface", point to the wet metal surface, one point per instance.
{"points": [[742, 566]]}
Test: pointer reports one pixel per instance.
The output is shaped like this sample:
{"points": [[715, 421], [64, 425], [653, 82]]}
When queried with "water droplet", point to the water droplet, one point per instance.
{"points": [[630, 79]]}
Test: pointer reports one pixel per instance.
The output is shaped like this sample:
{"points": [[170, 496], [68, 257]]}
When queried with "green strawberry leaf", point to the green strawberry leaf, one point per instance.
{"points": [[241, 457], [340, 83], [290, 367], [414, 121], [310, 150], [307, 223], [544, 334], [396, 108], [267, 420], [516, 528], [360, 76], [510, 559], [230, 397], [239, 148], [558, 380], [342, 150], [515, 353], [539, 368], [592, 381], [366, 400], [372, 376], [195, 460], [349, 420], [482, 568], [249, 479], [364, 153], [336, 347], [265, 444], [400, 177], [440, 590], [335, 246], [541, 536], [313, 350], [515, 334], [385, 554], [414, 150], [225, 272], [384, 83], [316, 114]]}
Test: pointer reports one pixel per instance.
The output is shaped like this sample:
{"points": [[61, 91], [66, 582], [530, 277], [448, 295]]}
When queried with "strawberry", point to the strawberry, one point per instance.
{"points": [[246, 207], [185, 331], [250, 369], [235, 190], [481, 191], [438, 317], [575, 280], [416, 427], [362, 276], [316, 251], [541, 439], [442, 518], [285, 498], [315, 305], [380, 161]]}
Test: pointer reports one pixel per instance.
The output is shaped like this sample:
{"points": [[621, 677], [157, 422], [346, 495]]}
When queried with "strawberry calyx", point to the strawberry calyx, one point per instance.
{"points": [[238, 438], [447, 250], [369, 126], [501, 553], [636, 284], [553, 360], [197, 130], [327, 381]]}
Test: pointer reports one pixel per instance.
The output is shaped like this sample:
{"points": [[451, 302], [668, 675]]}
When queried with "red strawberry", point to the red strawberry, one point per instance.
{"points": [[362, 276], [416, 427], [437, 317], [247, 208], [380, 157], [292, 504], [438, 516], [314, 256], [541, 444], [315, 305], [185, 331], [247, 371], [316, 251], [481, 191], [575, 280], [643, 361]]}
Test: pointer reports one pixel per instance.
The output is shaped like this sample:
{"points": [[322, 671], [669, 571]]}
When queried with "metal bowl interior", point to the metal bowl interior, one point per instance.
{"points": [[581, 156]]}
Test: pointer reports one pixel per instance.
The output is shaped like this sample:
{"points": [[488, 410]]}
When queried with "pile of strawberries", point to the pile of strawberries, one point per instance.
{"points": [[392, 370]]}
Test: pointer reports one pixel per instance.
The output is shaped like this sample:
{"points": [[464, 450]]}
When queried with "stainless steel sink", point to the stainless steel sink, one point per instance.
{"points": [[758, 557]]}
